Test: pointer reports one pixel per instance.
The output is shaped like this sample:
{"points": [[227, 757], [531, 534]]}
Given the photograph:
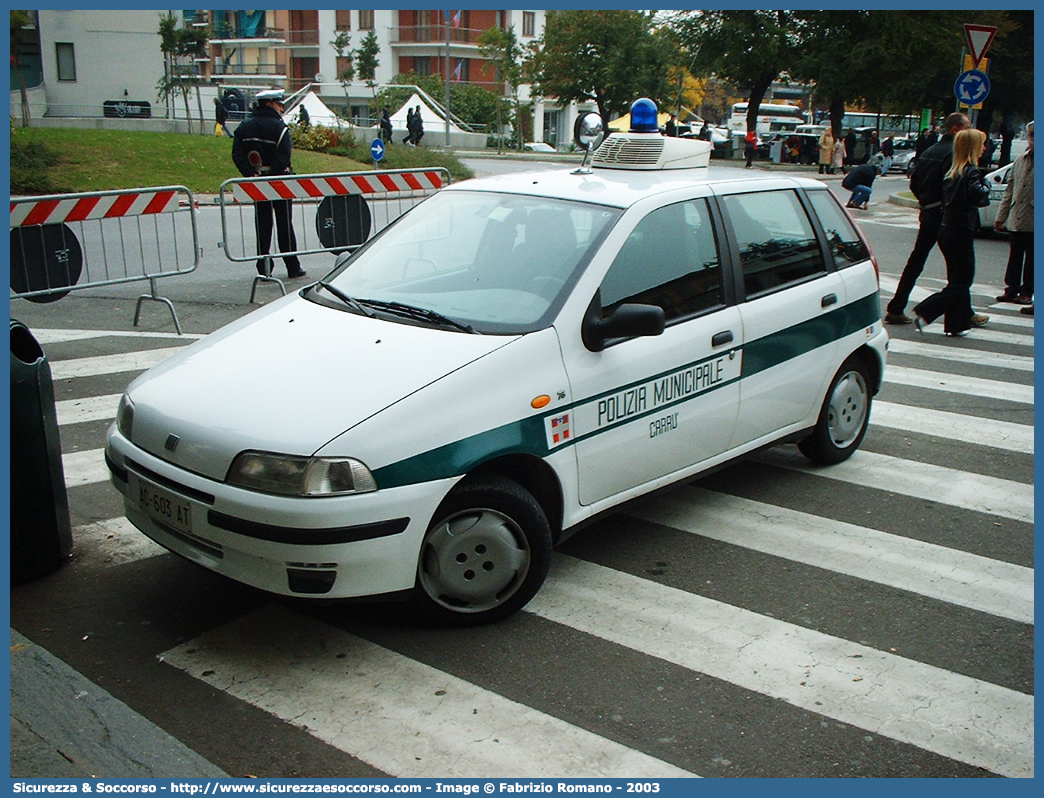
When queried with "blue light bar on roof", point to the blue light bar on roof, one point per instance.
{"points": [[643, 116]]}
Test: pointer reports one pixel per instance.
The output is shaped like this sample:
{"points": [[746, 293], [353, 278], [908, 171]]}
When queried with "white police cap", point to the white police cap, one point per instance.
{"points": [[270, 95]]}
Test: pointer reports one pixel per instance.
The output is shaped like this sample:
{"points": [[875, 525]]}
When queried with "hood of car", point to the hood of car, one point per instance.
{"points": [[287, 379]]}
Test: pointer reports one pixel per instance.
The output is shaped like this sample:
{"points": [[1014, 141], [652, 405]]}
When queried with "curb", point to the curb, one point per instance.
{"points": [[65, 726]]}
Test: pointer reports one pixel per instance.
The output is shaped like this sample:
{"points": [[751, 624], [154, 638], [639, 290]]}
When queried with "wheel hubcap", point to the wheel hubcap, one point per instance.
{"points": [[474, 560], [849, 404]]}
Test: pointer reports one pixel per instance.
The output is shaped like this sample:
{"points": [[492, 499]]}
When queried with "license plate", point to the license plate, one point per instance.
{"points": [[164, 507]]}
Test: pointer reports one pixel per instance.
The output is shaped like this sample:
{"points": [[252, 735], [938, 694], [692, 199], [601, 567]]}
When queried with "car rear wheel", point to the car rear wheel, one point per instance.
{"points": [[485, 555], [844, 417]]}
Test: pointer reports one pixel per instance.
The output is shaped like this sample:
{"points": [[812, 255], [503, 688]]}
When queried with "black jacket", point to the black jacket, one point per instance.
{"points": [[862, 175], [929, 170], [261, 144], [963, 195]]}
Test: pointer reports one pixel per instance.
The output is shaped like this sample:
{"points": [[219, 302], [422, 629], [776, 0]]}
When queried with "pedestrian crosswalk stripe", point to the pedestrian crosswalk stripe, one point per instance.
{"points": [[401, 716], [115, 541], [975, 492], [954, 426], [988, 335], [45, 337], [89, 408], [84, 468], [1002, 317], [953, 715], [958, 383], [975, 357], [111, 364], [928, 569]]}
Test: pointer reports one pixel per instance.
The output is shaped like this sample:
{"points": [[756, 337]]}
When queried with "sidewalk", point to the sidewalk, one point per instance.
{"points": [[63, 726]]}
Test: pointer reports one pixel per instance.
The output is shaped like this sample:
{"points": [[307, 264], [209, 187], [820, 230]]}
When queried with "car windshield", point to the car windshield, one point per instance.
{"points": [[484, 262]]}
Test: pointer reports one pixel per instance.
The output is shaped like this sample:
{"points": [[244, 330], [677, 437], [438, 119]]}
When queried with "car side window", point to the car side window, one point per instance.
{"points": [[670, 259], [842, 239], [776, 242]]}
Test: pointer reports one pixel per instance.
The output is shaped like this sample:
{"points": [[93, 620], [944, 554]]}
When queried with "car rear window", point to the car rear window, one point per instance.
{"points": [[842, 239]]}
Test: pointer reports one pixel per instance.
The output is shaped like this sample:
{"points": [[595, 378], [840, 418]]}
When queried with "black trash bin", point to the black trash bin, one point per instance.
{"points": [[40, 531]]}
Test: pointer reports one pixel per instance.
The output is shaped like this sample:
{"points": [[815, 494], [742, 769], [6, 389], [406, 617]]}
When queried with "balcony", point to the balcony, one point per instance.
{"points": [[434, 34], [223, 70], [301, 38]]}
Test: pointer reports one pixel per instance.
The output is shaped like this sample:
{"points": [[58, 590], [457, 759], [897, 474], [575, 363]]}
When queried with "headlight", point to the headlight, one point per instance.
{"points": [[125, 417], [288, 475]]}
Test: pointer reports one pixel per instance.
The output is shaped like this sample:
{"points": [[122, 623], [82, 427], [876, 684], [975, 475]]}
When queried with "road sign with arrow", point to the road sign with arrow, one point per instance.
{"points": [[972, 87]]}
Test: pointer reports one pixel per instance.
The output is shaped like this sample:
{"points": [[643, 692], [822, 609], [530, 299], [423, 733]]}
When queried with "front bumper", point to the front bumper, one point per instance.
{"points": [[331, 547]]}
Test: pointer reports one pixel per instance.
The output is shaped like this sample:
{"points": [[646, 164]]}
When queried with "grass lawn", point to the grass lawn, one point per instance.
{"points": [[100, 160]]}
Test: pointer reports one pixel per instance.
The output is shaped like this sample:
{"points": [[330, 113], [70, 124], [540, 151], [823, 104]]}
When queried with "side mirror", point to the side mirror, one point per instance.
{"points": [[627, 321], [588, 134]]}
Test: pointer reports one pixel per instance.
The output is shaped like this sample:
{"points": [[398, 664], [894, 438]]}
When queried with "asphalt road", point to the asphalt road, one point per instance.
{"points": [[772, 619]]}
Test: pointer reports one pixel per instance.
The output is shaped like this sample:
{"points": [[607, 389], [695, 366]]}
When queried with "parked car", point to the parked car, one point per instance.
{"points": [[904, 156], [998, 180], [511, 358]]}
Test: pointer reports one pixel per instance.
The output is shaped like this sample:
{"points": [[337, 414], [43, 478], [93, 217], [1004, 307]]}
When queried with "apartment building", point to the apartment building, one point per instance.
{"points": [[295, 49], [104, 62]]}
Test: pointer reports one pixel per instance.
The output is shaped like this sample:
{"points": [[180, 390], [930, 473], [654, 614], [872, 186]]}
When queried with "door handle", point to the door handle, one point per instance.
{"points": [[828, 300], [722, 338]]}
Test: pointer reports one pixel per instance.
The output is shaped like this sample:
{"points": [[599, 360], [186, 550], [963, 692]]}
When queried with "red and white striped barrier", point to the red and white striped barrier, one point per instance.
{"points": [[78, 208], [317, 186]]}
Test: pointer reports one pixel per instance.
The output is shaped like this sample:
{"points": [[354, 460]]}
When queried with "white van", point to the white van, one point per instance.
{"points": [[511, 358]]}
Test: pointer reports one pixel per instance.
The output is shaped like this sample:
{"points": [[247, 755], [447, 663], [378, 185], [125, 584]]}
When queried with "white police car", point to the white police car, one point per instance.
{"points": [[509, 359]]}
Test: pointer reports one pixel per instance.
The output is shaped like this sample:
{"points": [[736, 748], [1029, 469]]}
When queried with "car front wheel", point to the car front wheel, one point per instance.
{"points": [[485, 555], [844, 417]]}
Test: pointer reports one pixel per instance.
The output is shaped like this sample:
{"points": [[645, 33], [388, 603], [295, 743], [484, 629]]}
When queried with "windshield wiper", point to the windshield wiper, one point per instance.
{"points": [[352, 302], [414, 312]]}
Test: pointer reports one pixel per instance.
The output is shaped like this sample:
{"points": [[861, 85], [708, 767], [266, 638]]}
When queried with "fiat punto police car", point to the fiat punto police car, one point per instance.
{"points": [[509, 359]]}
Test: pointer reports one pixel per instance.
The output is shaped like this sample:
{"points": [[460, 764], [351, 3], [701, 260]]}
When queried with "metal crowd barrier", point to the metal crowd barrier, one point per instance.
{"points": [[331, 212], [68, 242]]}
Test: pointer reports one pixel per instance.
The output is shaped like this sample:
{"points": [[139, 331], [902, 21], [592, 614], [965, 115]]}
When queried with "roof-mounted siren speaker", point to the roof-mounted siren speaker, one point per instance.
{"points": [[644, 147]]}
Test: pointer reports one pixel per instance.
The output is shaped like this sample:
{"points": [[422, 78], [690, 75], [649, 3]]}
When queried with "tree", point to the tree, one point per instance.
{"points": [[748, 49], [19, 19], [876, 60], [345, 64], [366, 62], [611, 57], [179, 44], [505, 55]]}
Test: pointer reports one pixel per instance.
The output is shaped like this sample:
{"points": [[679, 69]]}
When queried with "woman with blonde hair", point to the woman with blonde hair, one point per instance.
{"points": [[964, 191]]}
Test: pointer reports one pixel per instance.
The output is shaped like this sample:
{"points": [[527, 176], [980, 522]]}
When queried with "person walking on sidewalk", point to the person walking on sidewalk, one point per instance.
{"points": [[220, 119], [1016, 214], [965, 190], [261, 146], [750, 141], [926, 184]]}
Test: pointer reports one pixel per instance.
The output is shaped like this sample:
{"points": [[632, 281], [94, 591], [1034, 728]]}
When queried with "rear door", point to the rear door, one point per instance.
{"points": [[790, 311]]}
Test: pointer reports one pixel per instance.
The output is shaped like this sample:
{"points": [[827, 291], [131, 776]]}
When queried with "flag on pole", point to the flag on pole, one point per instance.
{"points": [[456, 19]]}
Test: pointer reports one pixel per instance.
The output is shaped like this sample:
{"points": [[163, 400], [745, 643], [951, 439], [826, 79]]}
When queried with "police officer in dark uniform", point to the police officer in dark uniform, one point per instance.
{"points": [[261, 146]]}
